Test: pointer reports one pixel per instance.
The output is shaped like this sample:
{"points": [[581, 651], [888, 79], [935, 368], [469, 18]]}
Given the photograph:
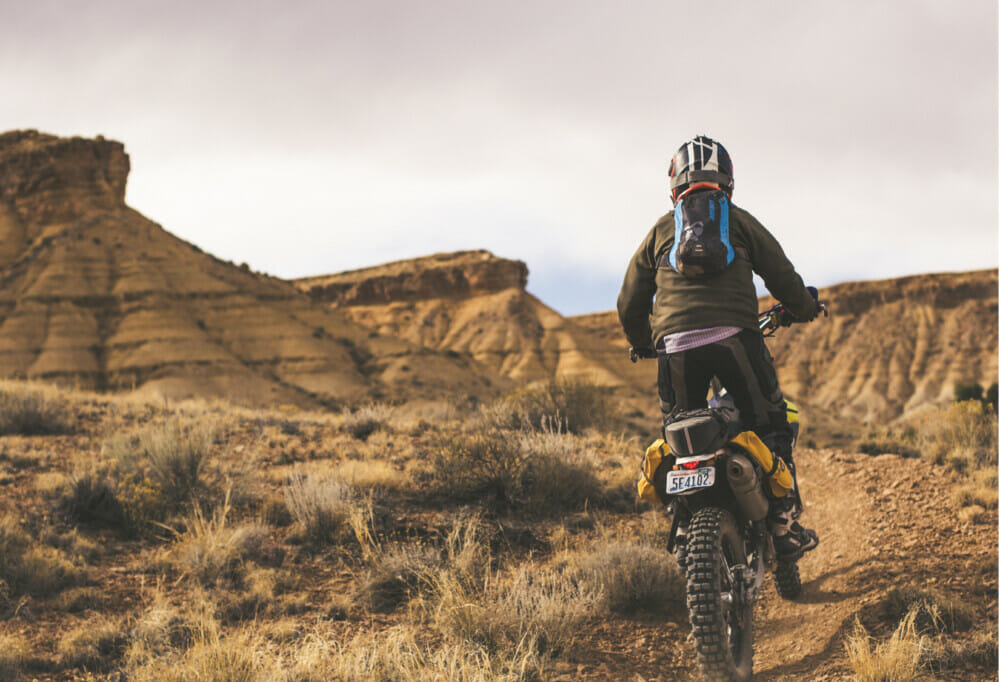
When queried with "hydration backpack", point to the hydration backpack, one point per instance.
{"points": [[701, 235]]}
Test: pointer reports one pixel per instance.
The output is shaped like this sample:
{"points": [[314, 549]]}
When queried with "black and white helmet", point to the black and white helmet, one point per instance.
{"points": [[698, 163]]}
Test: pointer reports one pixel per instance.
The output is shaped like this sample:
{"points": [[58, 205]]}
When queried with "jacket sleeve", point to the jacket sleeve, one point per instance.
{"points": [[635, 301], [780, 278]]}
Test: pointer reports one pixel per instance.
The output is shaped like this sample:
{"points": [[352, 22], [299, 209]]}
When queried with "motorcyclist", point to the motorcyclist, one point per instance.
{"points": [[694, 273]]}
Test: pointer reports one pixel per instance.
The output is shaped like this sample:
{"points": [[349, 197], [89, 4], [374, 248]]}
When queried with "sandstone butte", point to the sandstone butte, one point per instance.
{"points": [[94, 295], [475, 303]]}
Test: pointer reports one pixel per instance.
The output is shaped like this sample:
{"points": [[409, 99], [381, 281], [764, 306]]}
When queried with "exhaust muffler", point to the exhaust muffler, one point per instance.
{"points": [[746, 486]]}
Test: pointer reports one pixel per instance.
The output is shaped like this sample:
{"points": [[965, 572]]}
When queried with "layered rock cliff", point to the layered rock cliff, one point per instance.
{"points": [[889, 348], [93, 294], [472, 303]]}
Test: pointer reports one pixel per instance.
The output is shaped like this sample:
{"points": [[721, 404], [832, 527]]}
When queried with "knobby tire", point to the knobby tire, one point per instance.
{"points": [[722, 633], [787, 582]]}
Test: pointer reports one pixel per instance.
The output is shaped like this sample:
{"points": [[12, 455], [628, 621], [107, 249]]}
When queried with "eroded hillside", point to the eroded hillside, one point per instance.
{"points": [[889, 347], [95, 295], [475, 303]]}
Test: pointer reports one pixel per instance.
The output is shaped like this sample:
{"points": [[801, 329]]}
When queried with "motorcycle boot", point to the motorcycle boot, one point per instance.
{"points": [[791, 540]]}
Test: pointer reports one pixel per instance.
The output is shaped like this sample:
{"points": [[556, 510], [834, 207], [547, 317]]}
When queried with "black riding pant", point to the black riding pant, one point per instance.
{"points": [[744, 367]]}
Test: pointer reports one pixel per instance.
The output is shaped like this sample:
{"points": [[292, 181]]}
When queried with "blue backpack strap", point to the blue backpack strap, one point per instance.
{"points": [[678, 229], [724, 228]]}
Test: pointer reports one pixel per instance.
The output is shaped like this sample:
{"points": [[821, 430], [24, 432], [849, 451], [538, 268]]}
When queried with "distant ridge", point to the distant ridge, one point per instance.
{"points": [[890, 347]]}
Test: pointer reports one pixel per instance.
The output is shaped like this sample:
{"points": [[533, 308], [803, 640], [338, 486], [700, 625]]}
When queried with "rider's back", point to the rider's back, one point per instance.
{"points": [[725, 299]]}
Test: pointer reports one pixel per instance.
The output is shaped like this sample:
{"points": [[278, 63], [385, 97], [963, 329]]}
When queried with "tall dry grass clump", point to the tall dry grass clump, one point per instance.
{"points": [[632, 576], [534, 473], [895, 660], [366, 420], [397, 654], [325, 508], [211, 550], [30, 410], [29, 567], [572, 405]]}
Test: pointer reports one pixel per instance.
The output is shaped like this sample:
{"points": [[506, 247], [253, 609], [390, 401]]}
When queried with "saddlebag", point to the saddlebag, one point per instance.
{"points": [[653, 478]]}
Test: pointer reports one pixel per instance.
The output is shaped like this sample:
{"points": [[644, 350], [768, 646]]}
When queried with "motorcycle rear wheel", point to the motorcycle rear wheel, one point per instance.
{"points": [[720, 624]]}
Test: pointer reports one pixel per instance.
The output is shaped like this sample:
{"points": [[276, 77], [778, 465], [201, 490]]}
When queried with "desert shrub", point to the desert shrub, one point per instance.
{"points": [[324, 507], [486, 467], [399, 572], [15, 653], [365, 420], [964, 436], [965, 392], [96, 645], [239, 657], [895, 660], [881, 444], [29, 411], [562, 472], [632, 577], [170, 457], [79, 599], [978, 490], [211, 551], [571, 405], [946, 651], [538, 474], [396, 654], [540, 610], [28, 567], [91, 500], [396, 574], [932, 611]]}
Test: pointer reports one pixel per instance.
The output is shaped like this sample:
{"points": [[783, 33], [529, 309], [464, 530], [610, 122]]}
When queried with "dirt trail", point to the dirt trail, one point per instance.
{"points": [[882, 524]]}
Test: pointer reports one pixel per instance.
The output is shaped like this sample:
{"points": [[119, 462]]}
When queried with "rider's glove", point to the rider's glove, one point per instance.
{"points": [[645, 353]]}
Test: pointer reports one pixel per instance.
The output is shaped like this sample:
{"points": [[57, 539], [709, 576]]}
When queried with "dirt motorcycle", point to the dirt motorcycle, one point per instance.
{"points": [[713, 479]]}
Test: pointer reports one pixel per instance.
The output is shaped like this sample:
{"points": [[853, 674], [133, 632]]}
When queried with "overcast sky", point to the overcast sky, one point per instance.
{"points": [[311, 137]]}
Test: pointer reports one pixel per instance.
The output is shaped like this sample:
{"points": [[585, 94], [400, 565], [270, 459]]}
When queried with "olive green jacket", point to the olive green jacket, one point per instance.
{"points": [[726, 299]]}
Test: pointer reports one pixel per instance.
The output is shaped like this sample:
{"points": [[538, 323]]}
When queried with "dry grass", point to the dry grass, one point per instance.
{"points": [[211, 551], [946, 652], [366, 420], [396, 654], [536, 474], [96, 645], [29, 567], [632, 577], [571, 405], [324, 507], [935, 611], [32, 410], [15, 653], [894, 660]]}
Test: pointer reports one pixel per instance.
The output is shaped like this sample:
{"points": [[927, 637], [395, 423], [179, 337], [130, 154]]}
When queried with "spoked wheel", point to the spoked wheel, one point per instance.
{"points": [[787, 581], [720, 619]]}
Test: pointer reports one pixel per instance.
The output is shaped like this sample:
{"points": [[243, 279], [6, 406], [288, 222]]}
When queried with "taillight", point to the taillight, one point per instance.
{"points": [[691, 465]]}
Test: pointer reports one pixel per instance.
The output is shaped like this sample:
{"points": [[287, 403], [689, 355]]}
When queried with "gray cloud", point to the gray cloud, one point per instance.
{"points": [[308, 137]]}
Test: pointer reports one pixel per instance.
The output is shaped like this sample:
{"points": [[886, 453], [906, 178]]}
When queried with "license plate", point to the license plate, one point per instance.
{"points": [[683, 481]]}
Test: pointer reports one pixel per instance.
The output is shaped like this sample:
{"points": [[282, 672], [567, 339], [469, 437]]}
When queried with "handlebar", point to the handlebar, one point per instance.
{"points": [[778, 316]]}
